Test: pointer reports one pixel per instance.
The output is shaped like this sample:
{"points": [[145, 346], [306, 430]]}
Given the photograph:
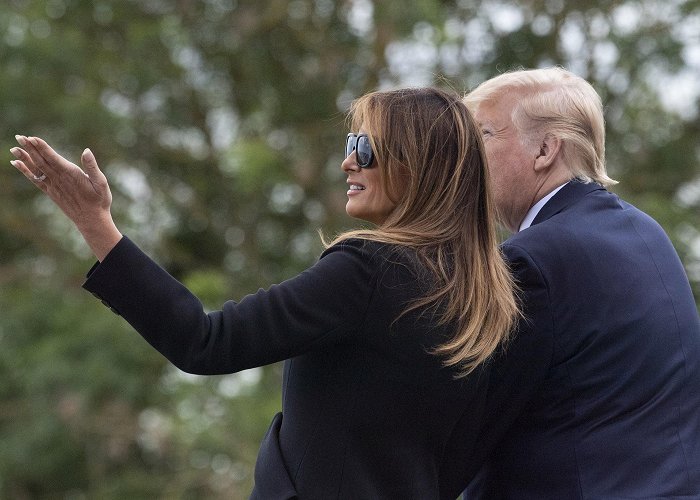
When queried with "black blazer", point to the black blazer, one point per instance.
{"points": [[599, 395], [367, 411]]}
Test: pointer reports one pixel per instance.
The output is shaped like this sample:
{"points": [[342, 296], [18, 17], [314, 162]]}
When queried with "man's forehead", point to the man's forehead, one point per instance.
{"points": [[496, 109], [488, 113]]}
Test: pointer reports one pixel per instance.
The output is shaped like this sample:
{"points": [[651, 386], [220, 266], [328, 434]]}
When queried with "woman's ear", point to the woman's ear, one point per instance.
{"points": [[548, 152]]}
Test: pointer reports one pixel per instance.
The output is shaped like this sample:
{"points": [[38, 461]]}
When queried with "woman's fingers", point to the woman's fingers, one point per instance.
{"points": [[28, 162], [27, 158], [45, 164], [53, 173], [46, 159], [29, 174], [71, 187]]}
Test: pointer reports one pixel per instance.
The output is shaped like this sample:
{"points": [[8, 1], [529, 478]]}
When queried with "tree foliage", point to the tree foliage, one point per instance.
{"points": [[219, 124]]}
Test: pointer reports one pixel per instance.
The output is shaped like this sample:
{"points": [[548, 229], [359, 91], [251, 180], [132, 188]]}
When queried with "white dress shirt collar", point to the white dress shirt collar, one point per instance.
{"points": [[535, 209]]}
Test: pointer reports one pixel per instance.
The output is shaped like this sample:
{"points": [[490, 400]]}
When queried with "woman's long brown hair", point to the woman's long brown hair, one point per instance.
{"points": [[430, 153]]}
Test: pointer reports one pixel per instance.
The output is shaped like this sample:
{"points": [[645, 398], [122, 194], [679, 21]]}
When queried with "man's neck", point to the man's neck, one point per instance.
{"points": [[535, 209]]}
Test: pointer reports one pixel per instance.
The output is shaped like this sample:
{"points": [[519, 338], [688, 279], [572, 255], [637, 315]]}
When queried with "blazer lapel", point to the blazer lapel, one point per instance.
{"points": [[569, 194]]}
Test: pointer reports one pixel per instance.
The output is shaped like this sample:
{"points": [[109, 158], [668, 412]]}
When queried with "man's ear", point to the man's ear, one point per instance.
{"points": [[549, 150]]}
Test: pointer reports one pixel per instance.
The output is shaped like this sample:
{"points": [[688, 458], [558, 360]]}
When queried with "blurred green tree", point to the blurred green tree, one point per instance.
{"points": [[219, 124]]}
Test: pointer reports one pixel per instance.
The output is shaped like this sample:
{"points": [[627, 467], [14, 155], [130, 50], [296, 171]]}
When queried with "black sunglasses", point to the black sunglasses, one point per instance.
{"points": [[364, 155]]}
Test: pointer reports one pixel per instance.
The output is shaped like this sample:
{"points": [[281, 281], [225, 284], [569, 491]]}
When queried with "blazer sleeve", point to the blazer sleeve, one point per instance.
{"points": [[324, 304], [521, 366], [526, 360]]}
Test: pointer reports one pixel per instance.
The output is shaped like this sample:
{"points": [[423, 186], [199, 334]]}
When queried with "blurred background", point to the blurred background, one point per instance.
{"points": [[220, 125]]}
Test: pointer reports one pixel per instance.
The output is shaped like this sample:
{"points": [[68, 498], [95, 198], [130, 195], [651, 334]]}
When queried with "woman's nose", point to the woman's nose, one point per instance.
{"points": [[349, 164]]}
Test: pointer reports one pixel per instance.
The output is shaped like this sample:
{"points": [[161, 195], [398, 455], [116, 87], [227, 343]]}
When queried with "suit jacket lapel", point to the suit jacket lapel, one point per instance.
{"points": [[569, 194]]}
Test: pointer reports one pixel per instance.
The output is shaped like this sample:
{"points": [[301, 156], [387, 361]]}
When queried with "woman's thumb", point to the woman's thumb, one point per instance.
{"points": [[89, 163]]}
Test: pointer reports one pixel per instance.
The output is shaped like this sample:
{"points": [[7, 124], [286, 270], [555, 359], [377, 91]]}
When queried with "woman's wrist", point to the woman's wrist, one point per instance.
{"points": [[101, 238]]}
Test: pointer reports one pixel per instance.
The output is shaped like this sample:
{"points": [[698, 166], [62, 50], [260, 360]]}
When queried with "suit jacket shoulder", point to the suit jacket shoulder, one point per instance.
{"points": [[616, 411]]}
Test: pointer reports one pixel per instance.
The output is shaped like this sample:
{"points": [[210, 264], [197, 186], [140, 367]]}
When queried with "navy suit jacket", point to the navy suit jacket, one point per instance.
{"points": [[598, 396]]}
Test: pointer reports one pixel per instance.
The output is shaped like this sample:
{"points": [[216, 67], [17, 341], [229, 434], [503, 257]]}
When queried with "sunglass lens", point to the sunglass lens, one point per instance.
{"points": [[362, 147], [364, 151], [350, 144]]}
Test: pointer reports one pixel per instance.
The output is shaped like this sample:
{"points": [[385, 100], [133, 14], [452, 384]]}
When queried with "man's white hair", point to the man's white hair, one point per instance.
{"points": [[556, 102]]}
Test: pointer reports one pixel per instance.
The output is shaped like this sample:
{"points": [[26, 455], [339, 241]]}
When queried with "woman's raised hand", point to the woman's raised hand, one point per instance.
{"points": [[82, 194]]}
